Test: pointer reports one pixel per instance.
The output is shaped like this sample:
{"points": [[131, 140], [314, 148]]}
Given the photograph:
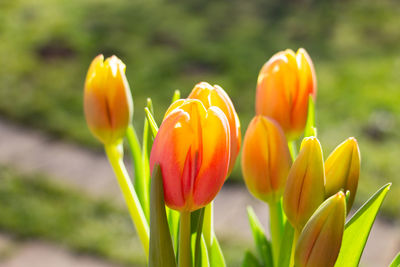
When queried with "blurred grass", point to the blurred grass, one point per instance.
{"points": [[46, 47], [34, 207]]}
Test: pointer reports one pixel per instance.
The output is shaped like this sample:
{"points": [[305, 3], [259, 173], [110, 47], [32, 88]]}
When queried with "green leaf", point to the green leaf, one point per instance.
{"points": [[262, 244], [215, 254], [152, 122], [358, 228], [310, 129], [176, 96], [197, 226], [396, 261], [161, 252], [250, 260], [286, 245], [173, 222]]}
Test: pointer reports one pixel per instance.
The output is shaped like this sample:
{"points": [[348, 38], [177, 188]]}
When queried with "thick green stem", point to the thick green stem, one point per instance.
{"points": [[295, 238], [114, 153], [276, 223], [208, 223], [292, 149], [141, 181], [185, 253]]}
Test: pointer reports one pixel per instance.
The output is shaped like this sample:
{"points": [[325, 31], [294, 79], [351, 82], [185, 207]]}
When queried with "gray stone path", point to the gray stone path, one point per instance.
{"points": [[31, 151]]}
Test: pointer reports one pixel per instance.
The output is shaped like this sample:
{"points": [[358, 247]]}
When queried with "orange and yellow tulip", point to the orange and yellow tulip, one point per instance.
{"points": [[284, 85], [342, 170], [304, 190], [266, 159], [216, 96], [320, 241], [192, 148], [108, 102]]}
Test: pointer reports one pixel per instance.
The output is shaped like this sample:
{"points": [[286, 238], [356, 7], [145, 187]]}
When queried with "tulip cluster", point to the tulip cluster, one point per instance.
{"points": [[181, 166]]}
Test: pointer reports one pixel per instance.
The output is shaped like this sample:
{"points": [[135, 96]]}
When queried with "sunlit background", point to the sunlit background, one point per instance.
{"points": [[46, 47]]}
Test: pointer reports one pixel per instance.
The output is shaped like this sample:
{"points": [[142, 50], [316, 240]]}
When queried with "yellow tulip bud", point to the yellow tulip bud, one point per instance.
{"points": [[342, 170], [107, 99], [320, 241], [266, 159], [304, 190]]}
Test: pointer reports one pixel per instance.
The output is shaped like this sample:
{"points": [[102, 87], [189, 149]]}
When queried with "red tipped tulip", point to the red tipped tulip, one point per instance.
{"points": [[107, 99], [192, 149], [266, 159], [304, 190], [320, 241], [284, 85], [216, 96]]}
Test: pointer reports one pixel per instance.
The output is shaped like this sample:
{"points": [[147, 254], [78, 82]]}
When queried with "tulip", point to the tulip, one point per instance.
{"points": [[266, 159], [192, 149], [216, 96], [304, 190], [320, 241], [284, 85], [342, 170], [108, 102]]}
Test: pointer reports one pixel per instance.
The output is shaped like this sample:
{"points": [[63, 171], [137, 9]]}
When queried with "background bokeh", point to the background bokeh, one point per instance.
{"points": [[47, 45]]}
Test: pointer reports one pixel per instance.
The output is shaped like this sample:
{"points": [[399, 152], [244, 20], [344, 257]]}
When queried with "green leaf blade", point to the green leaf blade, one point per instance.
{"points": [[358, 228], [161, 252], [396, 261], [250, 260]]}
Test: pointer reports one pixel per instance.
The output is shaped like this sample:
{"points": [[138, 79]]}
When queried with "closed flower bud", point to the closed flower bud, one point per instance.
{"points": [[192, 149], [304, 190], [342, 170], [107, 99], [320, 241], [284, 85], [265, 159], [216, 96]]}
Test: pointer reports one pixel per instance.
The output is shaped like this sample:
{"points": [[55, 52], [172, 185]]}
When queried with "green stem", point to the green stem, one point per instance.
{"points": [[114, 153], [295, 238], [141, 181], [208, 230], [292, 149], [276, 223], [185, 253]]}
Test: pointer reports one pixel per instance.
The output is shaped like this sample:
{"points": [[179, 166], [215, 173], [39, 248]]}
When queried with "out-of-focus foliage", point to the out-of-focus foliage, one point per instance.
{"points": [[46, 47]]}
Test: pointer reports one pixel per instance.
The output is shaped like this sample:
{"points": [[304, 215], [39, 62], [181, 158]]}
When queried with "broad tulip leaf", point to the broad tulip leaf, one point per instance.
{"points": [[262, 244], [396, 261], [250, 260], [358, 228], [161, 252], [152, 121], [215, 254], [286, 245], [310, 129]]}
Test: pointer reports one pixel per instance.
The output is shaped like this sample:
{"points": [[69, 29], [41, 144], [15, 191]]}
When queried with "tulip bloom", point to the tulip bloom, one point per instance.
{"points": [[216, 96], [304, 190], [320, 241], [192, 149], [266, 159], [107, 99], [342, 169], [284, 85]]}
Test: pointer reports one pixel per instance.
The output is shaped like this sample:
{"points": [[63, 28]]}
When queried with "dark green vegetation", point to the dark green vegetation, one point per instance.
{"points": [[62, 215], [46, 47]]}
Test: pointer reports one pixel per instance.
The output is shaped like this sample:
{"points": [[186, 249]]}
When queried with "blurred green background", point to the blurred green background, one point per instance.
{"points": [[46, 47]]}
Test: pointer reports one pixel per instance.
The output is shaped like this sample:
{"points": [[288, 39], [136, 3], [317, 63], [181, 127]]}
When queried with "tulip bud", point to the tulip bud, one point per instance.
{"points": [[266, 159], [192, 149], [342, 170], [320, 241], [284, 85], [107, 99], [216, 96], [304, 190]]}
